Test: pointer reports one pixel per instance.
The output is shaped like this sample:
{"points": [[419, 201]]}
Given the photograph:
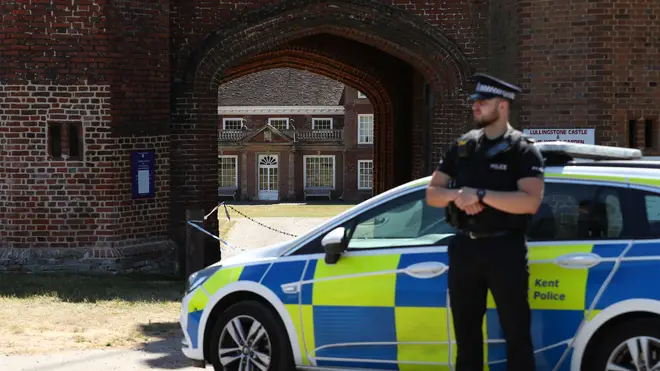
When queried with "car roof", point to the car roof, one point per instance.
{"points": [[585, 162]]}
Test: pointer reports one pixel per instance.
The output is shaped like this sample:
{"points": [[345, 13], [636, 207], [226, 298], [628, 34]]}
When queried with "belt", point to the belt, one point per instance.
{"points": [[478, 235]]}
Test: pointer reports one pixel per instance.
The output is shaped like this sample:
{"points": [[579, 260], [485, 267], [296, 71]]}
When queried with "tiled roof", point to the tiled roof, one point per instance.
{"points": [[281, 87]]}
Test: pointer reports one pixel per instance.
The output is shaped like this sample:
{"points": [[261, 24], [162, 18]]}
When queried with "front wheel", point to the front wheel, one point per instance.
{"points": [[629, 346], [248, 336]]}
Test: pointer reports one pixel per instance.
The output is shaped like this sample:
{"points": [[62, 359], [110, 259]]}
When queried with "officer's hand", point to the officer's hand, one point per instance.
{"points": [[474, 208], [466, 196]]}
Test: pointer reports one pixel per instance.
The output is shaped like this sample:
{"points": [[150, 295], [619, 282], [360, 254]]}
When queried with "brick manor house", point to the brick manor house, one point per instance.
{"points": [[287, 134]]}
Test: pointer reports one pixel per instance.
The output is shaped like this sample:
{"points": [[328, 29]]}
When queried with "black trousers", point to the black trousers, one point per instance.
{"points": [[499, 264]]}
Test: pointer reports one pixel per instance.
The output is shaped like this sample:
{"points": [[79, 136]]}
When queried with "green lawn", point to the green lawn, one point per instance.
{"points": [[284, 210]]}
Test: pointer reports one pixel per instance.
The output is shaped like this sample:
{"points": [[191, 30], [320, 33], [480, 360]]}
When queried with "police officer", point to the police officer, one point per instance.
{"points": [[491, 183]]}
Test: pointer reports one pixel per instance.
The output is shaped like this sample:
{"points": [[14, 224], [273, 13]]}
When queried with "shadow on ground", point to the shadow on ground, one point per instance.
{"points": [[90, 289], [167, 345]]}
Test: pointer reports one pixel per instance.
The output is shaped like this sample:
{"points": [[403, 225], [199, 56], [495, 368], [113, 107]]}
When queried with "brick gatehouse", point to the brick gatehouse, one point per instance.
{"points": [[85, 83]]}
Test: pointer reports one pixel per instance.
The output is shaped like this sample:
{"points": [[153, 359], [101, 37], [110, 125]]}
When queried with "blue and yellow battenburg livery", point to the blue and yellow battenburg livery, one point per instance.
{"points": [[387, 308]]}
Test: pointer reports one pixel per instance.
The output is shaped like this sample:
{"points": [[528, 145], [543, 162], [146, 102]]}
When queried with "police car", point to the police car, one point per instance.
{"points": [[368, 289]]}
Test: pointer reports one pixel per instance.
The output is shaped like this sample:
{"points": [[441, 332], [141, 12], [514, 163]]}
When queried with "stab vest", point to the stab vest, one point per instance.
{"points": [[492, 169]]}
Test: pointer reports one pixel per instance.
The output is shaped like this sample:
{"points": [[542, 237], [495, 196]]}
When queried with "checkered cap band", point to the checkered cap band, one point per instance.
{"points": [[481, 88]]}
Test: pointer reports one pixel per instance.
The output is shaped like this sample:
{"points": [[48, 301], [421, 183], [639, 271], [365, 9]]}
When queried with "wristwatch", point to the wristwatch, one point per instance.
{"points": [[480, 194]]}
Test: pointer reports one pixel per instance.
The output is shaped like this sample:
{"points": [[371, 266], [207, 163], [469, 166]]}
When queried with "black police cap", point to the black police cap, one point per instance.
{"points": [[489, 87]]}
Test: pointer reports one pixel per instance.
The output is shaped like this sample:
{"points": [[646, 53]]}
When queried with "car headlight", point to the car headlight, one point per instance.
{"points": [[199, 277]]}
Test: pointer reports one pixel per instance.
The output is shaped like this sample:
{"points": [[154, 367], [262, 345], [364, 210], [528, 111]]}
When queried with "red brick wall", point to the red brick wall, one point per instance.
{"points": [[505, 60], [355, 107], [580, 64], [462, 21], [103, 66], [57, 203]]}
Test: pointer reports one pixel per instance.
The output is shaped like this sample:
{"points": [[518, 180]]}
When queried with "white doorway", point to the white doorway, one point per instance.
{"points": [[268, 177]]}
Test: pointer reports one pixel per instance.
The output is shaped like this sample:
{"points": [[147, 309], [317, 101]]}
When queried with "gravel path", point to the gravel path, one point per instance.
{"points": [[161, 355], [248, 234], [164, 354]]}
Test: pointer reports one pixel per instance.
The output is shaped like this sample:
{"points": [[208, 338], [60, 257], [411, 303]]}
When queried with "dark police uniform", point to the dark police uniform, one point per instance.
{"points": [[490, 248]]}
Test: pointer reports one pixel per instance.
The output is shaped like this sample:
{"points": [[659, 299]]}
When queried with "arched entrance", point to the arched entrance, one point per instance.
{"points": [[413, 74]]}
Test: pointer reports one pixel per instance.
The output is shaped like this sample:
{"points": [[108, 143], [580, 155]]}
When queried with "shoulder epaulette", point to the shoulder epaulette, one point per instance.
{"points": [[529, 139], [472, 134], [518, 135]]}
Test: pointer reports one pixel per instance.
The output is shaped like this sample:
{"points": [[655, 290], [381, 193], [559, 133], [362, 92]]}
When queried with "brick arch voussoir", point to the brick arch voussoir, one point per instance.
{"points": [[441, 75], [365, 82], [438, 66], [433, 54], [309, 58], [362, 78]]}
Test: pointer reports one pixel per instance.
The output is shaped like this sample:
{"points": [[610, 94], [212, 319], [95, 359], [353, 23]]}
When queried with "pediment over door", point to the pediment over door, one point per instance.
{"points": [[267, 134]]}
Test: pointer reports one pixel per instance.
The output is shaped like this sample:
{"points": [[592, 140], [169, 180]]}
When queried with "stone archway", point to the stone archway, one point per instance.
{"points": [[283, 33]]}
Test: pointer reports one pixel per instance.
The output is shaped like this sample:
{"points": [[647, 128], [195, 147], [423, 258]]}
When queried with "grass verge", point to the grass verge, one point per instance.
{"points": [[48, 313]]}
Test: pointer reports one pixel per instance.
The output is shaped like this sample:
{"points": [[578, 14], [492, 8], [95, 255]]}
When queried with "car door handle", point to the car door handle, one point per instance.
{"points": [[426, 269], [578, 260]]}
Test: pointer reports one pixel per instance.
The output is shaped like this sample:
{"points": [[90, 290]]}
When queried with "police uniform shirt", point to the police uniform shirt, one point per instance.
{"points": [[498, 173], [530, 162]]}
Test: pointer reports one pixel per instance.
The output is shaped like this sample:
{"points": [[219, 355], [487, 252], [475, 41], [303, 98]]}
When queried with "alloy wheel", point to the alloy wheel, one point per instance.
{"points": [[640, 353], [244, 345]]}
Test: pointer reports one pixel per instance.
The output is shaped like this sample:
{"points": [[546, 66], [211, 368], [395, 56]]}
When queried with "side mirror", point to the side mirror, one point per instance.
{"points": [[334, 244]]}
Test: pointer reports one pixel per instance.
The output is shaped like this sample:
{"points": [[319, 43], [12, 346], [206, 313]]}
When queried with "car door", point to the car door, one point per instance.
{"points": [[382, 305], [574, 240]]}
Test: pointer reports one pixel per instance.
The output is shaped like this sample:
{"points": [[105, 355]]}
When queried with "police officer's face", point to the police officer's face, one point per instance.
{"points": [[485, 111]]}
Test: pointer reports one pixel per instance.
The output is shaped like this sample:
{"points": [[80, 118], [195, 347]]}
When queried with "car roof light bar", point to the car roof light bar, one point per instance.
{"points": [[559, 152]]}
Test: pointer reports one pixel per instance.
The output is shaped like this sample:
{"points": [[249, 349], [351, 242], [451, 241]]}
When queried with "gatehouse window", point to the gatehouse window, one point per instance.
{"points": [[55, 140], [65, 141], [365, 174], [366, 129], [228, 171], [279, 123], [319, 171], [321, 124], [650, 134], [232, 123]]}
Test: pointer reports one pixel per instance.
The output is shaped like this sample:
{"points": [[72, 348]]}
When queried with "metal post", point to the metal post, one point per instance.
{"points": [[194, 242]]}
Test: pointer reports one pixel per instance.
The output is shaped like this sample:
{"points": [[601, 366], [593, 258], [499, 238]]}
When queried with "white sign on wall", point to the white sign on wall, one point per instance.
{"points": [[584, 136]]}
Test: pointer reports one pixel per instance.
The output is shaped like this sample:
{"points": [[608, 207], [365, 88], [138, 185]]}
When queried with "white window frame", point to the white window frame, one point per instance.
{"points": [[359, 177], [235, 157], [315, 119], [359, 140], [271, 119], [334, 168], [224, 122], [361, 95]]}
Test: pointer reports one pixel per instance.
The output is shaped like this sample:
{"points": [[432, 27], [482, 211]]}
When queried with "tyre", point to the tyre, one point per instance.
{"points": [[630, 345], [248, 336]]}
